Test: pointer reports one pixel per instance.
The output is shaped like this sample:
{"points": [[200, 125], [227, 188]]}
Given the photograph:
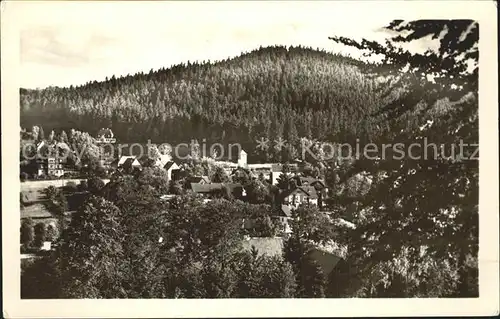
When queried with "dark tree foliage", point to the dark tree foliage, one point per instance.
{"points": [[23, 176], [257, 192], [427, 207], [95, 184], [41, 279], [70, 187], [57, 203], [91, 252], [284, 182], [223, 192], [40, 233], [241, 176], [51, 233], [83, 186], [154, 177], [175, 188], [260, 219], [261, 276], [309, 229], [131, 244], [219, 175], [27, 232], [313, 280]]}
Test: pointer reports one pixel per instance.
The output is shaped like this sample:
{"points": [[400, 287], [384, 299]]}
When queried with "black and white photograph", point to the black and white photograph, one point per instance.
{"points": [[252, 150]]}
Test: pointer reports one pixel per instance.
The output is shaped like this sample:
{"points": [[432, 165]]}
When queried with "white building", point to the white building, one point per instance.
{"points": [[242, 159]]}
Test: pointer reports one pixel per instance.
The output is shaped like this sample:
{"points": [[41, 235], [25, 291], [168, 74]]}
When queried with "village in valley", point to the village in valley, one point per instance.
{"points": [[279, 172], [54, 176]]}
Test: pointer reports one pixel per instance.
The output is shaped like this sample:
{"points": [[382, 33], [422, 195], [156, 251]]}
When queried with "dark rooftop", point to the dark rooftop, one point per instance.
{"points": [[168, 165], [310, 191]]}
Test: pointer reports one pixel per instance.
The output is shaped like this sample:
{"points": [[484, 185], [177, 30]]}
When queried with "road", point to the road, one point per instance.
{"points": [[32, 185]]}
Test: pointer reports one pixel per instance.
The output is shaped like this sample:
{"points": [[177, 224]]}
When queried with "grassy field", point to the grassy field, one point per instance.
{"points": [[35, 207]]}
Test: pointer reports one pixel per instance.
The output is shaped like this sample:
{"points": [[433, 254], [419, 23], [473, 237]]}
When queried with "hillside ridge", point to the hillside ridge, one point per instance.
{"points": [[273, 92]]}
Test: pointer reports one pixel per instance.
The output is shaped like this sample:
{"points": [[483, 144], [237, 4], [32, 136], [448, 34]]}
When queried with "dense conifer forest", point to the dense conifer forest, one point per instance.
{"points": [[274, 91]]}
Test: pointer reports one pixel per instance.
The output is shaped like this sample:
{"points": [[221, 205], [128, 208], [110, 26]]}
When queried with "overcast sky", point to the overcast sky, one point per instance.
{"points": [[71, 43]]}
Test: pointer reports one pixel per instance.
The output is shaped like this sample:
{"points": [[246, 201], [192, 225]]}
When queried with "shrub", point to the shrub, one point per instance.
{"points": [[100, 171], [71, 187], [83, 186], [51, 233], [40, 233], [94, 184], [27, 232]]}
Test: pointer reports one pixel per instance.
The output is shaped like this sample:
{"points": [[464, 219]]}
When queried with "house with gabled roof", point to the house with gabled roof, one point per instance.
{"points": [[105, 135], [171, 167], [283, 214], [131, 163], [132, 160], [128, 163], [300, 195], [318, 184], [162, 160]]}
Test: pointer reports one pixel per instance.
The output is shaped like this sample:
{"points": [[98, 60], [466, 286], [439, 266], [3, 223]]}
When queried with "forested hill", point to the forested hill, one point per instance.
{"points": [[271, 91]]}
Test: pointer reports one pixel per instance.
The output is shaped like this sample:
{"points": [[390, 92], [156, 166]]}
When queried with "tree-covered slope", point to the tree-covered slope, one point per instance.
{"points": [[270, 92]]}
